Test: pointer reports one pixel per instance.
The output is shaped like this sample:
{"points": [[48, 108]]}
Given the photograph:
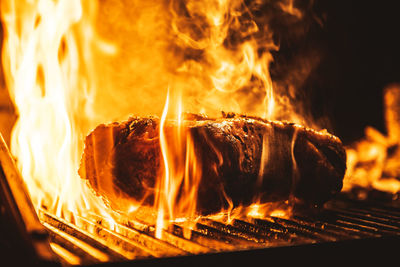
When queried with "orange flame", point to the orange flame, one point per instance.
{"points": [[65, 79], [177, 187], [373, 162], [236, 77]]}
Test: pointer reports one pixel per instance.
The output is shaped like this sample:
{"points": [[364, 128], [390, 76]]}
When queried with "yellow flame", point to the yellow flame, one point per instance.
{"points": [[165, 181], [51, 92], [177, 186], [65, 79]]}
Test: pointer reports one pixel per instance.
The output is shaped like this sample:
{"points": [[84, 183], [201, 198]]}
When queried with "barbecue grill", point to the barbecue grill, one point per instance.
{"points": [[346, 230], [343, 228]]}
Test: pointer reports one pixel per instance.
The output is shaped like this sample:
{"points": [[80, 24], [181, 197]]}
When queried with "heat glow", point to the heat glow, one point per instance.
{"points": [[71, 65]]}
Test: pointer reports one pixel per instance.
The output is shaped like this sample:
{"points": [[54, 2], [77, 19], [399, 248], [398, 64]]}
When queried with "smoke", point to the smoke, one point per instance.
{"points": [[248, 57]]}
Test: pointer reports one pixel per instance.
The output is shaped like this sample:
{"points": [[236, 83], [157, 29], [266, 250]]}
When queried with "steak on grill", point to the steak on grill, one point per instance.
{"points": [[123, 160]]}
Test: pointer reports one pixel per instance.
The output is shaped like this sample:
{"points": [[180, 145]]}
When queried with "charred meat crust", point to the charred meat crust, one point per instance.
{"points": [[244, 159]]}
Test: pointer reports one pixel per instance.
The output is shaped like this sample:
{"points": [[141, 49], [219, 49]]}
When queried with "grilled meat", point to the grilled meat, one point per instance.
{"points": [[242, 159]]}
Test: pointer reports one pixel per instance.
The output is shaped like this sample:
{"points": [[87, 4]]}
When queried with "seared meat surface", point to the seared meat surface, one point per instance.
{"points": [[241, 159]]}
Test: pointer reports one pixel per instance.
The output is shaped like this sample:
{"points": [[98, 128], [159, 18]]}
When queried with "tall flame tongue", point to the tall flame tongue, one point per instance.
{"points": [[177, 186], [52, 96]]}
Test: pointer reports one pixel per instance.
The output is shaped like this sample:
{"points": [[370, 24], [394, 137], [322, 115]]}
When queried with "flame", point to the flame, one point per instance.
{"points": [[236, 75], [177, 186], [373, 161], [214, 72], [52, 94], [164, 183], [288, 6], [65, 78]]}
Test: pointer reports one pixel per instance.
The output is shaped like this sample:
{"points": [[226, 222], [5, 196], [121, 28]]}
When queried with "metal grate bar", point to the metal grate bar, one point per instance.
{"points": [[205, 238], [134, 239], [234, 230], [142, 239], [273, 234], [342, 230], [382, 221], [365, 223], [84, 252]]}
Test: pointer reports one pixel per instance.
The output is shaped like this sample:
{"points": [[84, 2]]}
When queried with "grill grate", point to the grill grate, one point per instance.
{"points": [[341, 221]]}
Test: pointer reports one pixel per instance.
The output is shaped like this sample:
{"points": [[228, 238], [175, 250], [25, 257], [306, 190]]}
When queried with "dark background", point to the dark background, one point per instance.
{"points": [[358, 46], [357, 52], [365, 57]]}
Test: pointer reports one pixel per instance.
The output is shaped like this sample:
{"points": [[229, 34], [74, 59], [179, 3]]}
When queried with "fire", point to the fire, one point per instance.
{"points": [[373, 162], [65, 78], [177, 186], [52, 94], [221, 74], [236, 75]]}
